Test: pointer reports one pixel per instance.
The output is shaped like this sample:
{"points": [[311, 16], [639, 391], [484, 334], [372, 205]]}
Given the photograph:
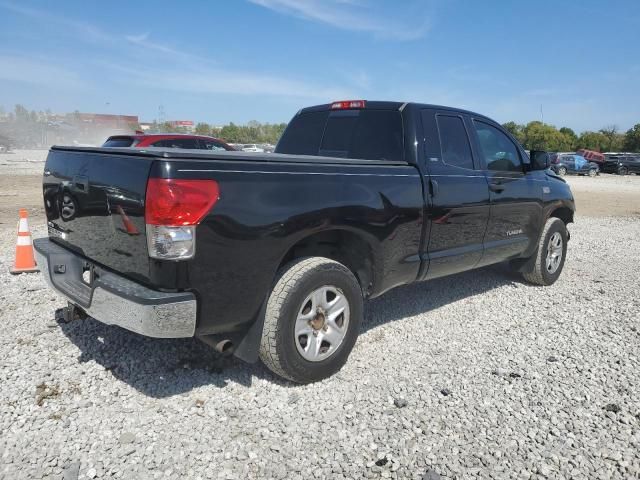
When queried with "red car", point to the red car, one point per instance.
{"points": [[592, 156], [167, 140]]}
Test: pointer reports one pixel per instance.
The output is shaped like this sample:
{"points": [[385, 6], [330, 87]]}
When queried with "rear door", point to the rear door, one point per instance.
{"points": [[516, 196], [459, 195], [569, 162]]}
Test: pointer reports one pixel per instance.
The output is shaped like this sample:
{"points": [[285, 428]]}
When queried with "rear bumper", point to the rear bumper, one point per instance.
{"points": [[113, 299]]}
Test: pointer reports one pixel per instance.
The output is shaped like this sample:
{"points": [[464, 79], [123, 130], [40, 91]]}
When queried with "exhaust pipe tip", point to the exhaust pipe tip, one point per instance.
{"points": [[225, 347]]}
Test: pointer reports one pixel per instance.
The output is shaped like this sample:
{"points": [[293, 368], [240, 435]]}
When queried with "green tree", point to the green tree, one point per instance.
{"points": [[632, 139], [592, 141], [611, 133], [516, 130], [570, 138], [203, 128]]}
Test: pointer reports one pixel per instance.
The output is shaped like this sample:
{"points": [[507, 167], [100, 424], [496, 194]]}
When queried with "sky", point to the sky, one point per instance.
{"points": [[571, 63]]}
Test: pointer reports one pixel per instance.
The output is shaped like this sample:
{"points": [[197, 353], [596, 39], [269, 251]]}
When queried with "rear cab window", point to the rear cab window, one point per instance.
{"points": [[368, 134]]}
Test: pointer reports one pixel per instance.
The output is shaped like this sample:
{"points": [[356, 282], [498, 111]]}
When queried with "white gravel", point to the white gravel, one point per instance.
{"points": [[475, 375]]}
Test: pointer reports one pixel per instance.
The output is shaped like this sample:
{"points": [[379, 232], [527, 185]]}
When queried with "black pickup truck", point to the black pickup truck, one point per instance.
{"points": [[272, 255]]}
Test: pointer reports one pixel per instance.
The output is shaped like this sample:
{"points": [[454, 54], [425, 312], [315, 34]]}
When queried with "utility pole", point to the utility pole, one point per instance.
{"points": [[161, 115]]}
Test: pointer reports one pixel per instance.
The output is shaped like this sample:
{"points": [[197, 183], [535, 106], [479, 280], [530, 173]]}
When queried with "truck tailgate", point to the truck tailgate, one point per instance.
{"points": [[95, 206]]}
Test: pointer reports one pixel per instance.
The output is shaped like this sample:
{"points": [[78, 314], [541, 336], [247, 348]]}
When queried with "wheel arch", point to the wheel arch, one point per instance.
{"points": [[348, 247], [564, 213]]}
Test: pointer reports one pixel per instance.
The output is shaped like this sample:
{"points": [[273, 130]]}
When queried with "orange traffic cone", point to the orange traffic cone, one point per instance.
{"points": [[25, 261], [129, 226]]}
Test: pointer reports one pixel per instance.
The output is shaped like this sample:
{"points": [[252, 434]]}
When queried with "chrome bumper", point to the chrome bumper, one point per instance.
{"points": [[115, 300]]}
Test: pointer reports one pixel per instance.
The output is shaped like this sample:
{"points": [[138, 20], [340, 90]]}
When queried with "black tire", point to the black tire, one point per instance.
{"points": [[562, 171], [541, 275], [623, 171], [593, 172], [294, 283]]}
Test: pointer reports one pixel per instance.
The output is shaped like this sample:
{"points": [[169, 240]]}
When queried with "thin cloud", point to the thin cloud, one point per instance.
{"points": [[37, 71], [349, 15], [217, 81], [85, 30]]}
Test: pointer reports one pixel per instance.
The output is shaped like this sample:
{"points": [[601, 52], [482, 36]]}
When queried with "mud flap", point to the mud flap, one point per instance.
{"points": [[248, 349]]}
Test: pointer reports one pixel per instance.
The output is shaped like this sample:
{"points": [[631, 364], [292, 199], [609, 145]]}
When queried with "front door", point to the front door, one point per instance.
{"points": [[516, 195], [458, 211]]}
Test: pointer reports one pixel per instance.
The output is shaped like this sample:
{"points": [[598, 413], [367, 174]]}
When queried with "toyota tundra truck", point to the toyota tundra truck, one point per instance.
{"points": [[271, 256]]}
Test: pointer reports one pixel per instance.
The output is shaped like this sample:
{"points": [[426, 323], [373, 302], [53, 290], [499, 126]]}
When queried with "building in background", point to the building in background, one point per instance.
{"points": [[187, 125]]}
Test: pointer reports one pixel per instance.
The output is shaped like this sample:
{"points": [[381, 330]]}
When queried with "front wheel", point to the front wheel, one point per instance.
{"points": [[593, 172], [312, 319], [622, 171], [551, 253], [562, 171]]}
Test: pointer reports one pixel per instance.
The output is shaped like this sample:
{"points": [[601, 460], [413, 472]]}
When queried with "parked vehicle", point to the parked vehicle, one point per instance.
{"points": [[272, 255], [252, 147], [168, 140], [622, 164], [593, 156], [564, 164]]}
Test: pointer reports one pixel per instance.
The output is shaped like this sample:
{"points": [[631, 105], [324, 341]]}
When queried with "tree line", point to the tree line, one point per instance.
{"points": [[541, 136], [252, 132]]}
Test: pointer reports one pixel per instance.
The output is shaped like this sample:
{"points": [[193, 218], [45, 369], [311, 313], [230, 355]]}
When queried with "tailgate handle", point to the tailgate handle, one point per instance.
{"points": [[81, 182]]}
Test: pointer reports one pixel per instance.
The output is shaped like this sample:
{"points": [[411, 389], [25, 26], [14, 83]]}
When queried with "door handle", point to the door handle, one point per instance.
{"points": [[433, 187], [496, 187]]}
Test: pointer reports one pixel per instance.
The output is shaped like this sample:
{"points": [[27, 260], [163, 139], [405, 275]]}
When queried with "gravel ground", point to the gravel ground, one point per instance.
{"points": [[475, 375]]}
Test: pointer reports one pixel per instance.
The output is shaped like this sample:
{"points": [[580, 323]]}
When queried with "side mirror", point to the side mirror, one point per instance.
{"points": [[539, 160]]}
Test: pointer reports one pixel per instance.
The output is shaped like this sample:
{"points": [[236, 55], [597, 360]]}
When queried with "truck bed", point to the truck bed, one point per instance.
{"points": [[268, 203]]}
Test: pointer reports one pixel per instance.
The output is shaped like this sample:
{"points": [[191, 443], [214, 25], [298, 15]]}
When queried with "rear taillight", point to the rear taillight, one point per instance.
{"points": [[173, 208]]}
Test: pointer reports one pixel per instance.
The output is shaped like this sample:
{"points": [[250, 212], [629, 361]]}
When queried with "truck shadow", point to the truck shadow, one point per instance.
{"points": [[162, 368]]}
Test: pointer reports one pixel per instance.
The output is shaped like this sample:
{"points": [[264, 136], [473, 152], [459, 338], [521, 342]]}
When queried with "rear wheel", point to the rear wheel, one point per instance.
{"points": [[551, 253], [623, 171], [562, 171], [593, 172], [312, 319]]}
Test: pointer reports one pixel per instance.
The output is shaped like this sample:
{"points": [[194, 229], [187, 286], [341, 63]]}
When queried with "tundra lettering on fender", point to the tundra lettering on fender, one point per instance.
{"points": [[271, 255]]}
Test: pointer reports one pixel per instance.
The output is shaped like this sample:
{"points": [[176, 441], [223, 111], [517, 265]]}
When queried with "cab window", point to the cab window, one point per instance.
{"points": [[500, 153], [189, 143], [454, 142]]}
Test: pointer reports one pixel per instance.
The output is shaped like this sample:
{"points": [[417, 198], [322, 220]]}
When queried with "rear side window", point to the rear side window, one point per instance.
{"points": [[454, 142], [303, 134], [500, 153], [177, 143], [118, 142], [364, 134], [211, 145]]}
